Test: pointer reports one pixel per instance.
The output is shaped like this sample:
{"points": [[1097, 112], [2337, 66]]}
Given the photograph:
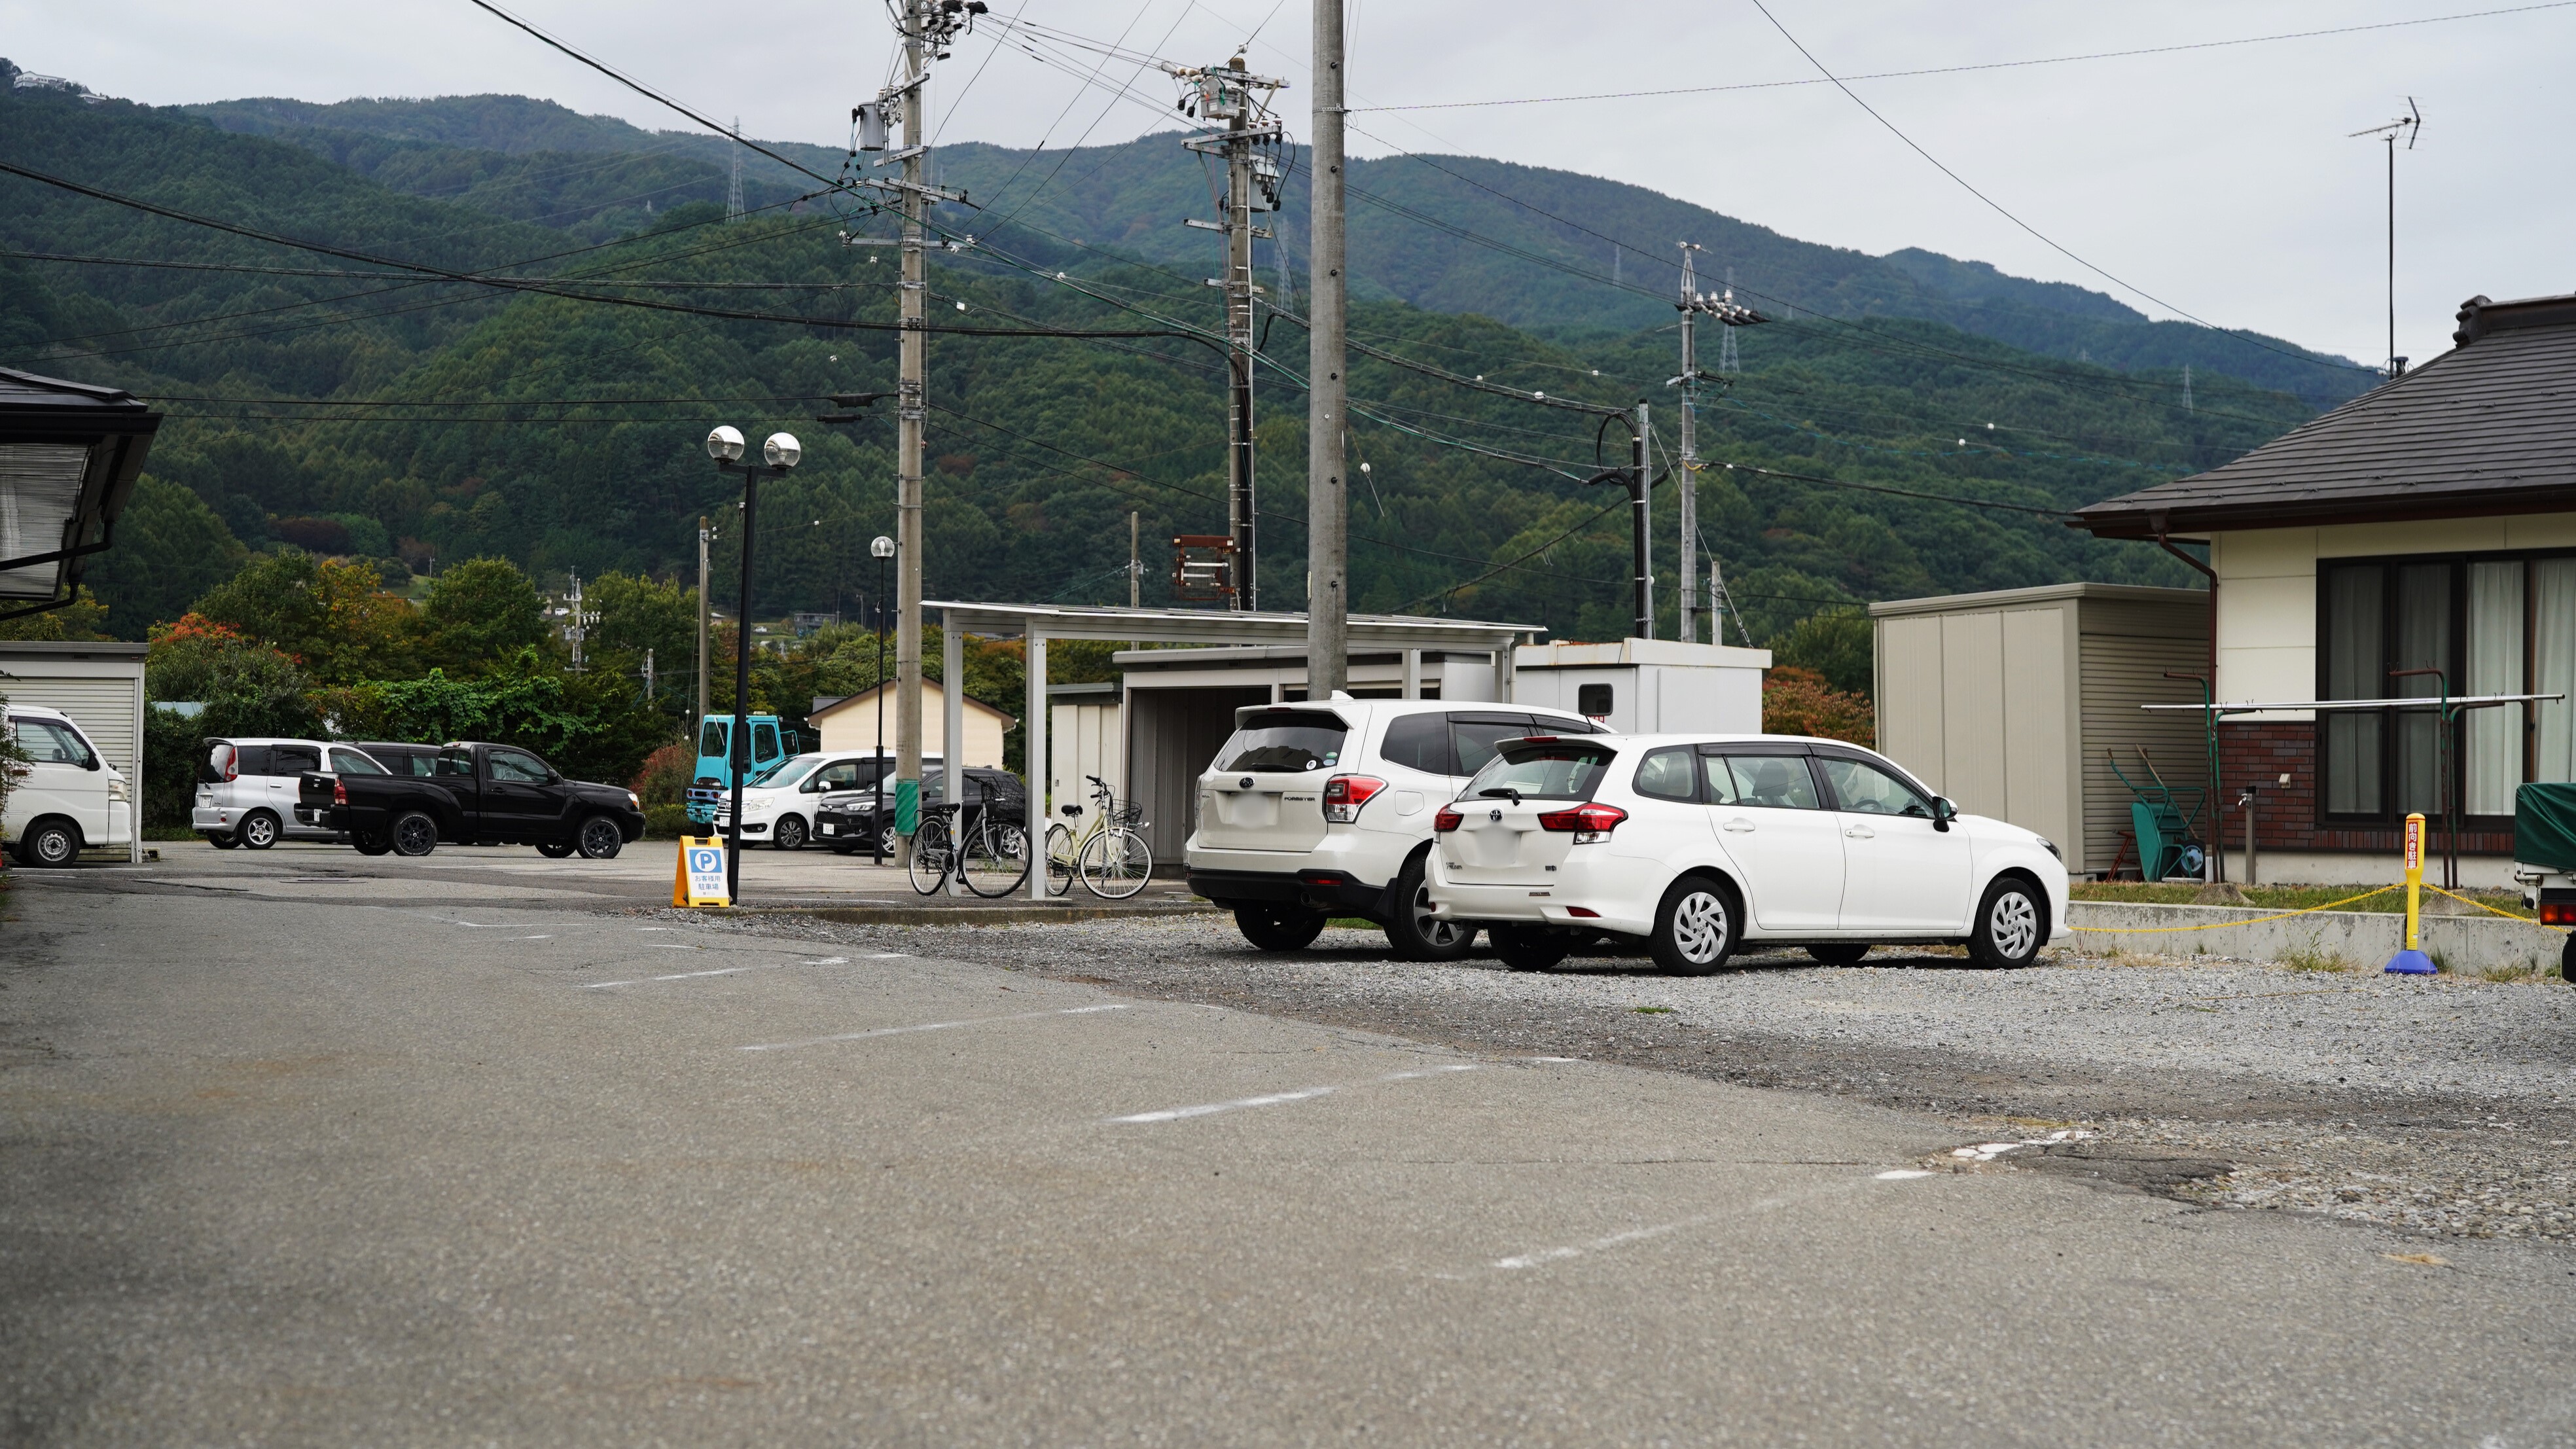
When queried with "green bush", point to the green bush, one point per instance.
{"points": [[666, 822]]}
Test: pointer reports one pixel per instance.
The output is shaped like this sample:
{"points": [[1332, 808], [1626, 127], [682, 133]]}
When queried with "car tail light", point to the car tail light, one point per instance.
{"points": [[1446, 821], [1345, 794], [339, 792], [2558, 913], [1588, 823]]}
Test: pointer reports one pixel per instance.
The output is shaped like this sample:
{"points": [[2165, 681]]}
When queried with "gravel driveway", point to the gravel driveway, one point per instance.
{"points": [[2440, 1104]]}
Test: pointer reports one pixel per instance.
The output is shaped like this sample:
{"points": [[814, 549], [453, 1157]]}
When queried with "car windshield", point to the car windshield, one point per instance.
{"points": [[1563, 770], [788, 772], [1286, 741]]}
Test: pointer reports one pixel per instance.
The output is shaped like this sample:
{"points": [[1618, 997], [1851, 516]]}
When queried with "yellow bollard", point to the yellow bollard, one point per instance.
{"points": [[2411, 961]]}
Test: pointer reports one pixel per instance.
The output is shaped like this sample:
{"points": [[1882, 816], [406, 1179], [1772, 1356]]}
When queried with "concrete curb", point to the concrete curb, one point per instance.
{"points": [[2473, 945], [1000, 913]]}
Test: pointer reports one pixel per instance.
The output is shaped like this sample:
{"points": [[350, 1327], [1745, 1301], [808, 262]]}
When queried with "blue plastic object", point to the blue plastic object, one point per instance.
{"points": [[2411, 963]]}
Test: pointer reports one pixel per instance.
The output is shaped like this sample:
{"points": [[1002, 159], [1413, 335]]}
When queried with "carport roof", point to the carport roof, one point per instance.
{"points": [[1210, 626]]}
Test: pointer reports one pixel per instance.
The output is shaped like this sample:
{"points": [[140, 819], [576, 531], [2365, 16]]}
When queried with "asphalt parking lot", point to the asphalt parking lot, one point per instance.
{"points": [[303, 1148]]}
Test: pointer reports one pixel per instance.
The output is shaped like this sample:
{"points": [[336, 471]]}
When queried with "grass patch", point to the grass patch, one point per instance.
{"points": [[2309, 958], [1652, 1010], [2287, 897], [1352, 923]]}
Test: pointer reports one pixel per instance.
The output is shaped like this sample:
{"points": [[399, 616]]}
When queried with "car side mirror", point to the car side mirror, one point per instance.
{"points": [[1943, 812], [93, 763]]}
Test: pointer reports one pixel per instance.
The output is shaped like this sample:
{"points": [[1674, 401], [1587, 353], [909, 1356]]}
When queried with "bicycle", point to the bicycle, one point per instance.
{"points": [[989, 856], [1111, 858]]}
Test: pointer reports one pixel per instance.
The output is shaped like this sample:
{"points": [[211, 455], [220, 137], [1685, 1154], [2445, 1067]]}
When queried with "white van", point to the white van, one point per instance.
{"points": [[246, 790], [69, 797]]}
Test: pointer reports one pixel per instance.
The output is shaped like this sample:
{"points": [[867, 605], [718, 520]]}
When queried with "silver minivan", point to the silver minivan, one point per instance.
{"points": [[246, 789]]}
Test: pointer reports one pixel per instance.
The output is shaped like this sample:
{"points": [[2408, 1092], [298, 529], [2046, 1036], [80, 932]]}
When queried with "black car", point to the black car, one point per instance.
{"points": [[850, 823], [476, 794]]}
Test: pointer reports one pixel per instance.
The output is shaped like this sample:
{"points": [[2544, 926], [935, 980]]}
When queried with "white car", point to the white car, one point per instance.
{"points": [[1700, 844], [1316, 810], [247, 789], [68, 796], [779, 806]]}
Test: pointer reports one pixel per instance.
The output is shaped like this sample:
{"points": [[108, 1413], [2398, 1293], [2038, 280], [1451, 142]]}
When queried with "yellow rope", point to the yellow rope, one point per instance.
{"points": [[2481, 905], [2216, 925]]}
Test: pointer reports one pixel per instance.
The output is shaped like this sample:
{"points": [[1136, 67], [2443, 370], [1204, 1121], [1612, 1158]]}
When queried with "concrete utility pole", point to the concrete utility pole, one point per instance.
{"points": [[1227, 93], [1327, 503], [1135, 562], [1694, 305], [1642, 493], [699, 716]]}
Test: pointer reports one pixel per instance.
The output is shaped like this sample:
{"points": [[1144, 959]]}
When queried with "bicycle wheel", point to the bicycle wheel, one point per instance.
{"points": [[995, 859], [1116, 864], [1061, 866], [930, 852]]}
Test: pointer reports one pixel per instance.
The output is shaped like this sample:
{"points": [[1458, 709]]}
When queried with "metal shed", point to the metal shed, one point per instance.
{"points": [[2012, 703], [100, 685]]}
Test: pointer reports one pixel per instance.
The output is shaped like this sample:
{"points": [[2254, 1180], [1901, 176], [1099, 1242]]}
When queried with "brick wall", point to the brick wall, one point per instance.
{"points": [[2286, 816]]}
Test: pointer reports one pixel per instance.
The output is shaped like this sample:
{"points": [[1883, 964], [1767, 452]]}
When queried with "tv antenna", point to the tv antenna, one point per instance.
{"points": [[2412, 125]]}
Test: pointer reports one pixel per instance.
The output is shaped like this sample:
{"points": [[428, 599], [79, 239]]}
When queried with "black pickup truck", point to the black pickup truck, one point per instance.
{"points": [[476, 794]]}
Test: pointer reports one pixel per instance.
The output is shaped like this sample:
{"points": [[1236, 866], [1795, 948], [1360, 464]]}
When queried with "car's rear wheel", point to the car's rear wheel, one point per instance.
{"points": [[1839, 953], [414, 834], [1529, 948], [554, 849], [1694, 927], [223, 840], [50, 844], [2010, 927], [1271, 926], [600, 838], [1417, 934], [790, 834], [258, 830], [371, 844]]}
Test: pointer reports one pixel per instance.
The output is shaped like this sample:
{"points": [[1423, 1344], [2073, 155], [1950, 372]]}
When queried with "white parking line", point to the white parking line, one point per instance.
{"points": [[721, 971], [1639, 1235], [1209, 1109], [780, 1046]]}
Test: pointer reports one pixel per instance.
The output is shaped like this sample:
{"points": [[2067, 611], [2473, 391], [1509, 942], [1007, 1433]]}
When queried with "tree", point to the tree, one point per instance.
{"points": [[1798, 701], [246, 687], [82, 618], [1838, 646], [637, 613], [170, 548], [481, 614], [330, 618]]}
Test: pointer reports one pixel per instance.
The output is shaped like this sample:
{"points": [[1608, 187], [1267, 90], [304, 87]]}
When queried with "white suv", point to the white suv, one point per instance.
{"points": [[1702, 843], [1324, 809], [247, 789]]}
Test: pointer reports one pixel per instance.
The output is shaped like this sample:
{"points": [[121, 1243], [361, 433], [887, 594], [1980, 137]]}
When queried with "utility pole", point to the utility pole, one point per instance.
{"points": [[1693, 305], [1135, 562], [699, 716], [1327, 510], [1226, 93], [1641, 493]]}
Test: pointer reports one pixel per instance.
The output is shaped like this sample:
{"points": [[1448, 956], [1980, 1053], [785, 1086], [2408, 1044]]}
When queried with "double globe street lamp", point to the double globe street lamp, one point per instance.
{"points": [[778, 454]]}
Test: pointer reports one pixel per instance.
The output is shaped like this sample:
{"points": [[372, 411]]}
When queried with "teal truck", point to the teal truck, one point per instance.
{"points": [[713, 779]]}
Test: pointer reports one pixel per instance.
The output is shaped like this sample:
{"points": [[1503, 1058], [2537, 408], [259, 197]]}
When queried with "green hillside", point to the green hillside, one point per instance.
{"points": [[564, 433], [1541, 254]]}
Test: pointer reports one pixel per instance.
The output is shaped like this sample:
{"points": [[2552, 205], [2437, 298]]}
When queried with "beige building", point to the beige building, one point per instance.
{"points": [[2013, 703], [851, 724]]}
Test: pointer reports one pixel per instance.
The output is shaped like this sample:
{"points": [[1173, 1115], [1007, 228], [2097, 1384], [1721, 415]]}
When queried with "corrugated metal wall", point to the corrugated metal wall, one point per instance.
{"points": [[1172, 736], [104, 708], [2127, 647]]}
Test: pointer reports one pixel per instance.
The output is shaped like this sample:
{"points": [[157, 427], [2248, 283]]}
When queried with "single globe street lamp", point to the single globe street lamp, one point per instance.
{"points": [[779, 453]]}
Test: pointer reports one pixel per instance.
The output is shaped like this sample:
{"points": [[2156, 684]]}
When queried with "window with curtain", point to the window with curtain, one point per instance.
{"points": [[2492, 626]]}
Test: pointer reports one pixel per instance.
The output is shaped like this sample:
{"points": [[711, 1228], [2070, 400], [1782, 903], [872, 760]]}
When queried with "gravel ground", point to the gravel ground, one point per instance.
{"points": [[2441, 1105]]}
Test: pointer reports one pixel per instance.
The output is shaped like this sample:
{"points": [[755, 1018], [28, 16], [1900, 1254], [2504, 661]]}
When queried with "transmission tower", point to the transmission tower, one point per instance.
{"points": [[1250, 145], [733, 192], [1693, 305]]}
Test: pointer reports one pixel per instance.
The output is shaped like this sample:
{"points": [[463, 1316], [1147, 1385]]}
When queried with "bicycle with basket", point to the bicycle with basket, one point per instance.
{"points": [[1109, 855]]}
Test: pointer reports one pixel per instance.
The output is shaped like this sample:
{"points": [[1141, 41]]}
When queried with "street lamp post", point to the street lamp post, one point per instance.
{"points": [[883, 548], [778, 454]]}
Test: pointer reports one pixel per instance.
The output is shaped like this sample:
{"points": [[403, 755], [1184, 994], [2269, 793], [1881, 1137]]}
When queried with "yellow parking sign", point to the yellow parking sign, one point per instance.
{"points": [[699, 879]]}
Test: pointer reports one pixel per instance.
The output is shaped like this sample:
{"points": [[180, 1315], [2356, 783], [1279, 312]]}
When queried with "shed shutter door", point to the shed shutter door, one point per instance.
{"points": [[103, 708]]}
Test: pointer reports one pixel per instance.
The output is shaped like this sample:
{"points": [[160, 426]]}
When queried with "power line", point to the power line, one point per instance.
{"points": [[1963, 69]]}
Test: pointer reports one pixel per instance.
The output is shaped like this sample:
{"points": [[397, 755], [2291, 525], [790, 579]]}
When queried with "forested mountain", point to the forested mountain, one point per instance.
{"points": [[329, 403], [1527, 245]]}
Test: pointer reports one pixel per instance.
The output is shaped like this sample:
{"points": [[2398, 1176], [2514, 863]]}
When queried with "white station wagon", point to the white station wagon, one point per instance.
{"points": [[1701, 844]]}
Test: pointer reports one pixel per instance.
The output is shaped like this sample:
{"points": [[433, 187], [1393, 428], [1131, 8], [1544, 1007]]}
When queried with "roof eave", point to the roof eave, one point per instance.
{"points": [[2139, 522]]}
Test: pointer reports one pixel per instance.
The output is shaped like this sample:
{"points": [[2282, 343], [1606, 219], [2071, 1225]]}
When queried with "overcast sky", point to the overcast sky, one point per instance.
{"points": [[2220, 180]]}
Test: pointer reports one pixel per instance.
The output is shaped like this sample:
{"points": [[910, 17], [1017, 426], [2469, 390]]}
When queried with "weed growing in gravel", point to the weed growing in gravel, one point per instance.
{"points": [[2310, 958], [2512, 971], [1652, 1010]]}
